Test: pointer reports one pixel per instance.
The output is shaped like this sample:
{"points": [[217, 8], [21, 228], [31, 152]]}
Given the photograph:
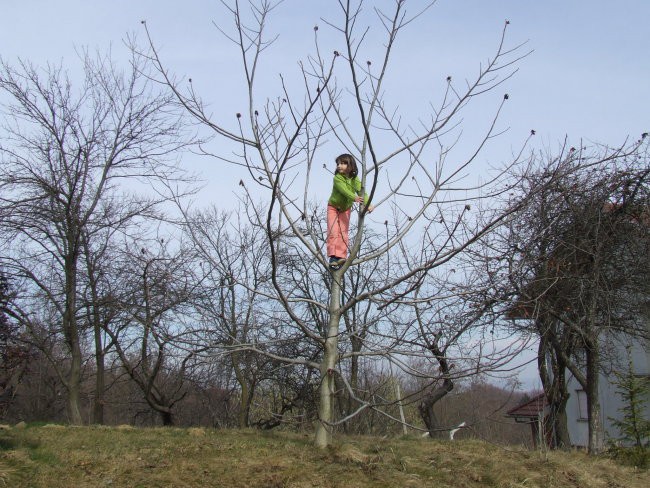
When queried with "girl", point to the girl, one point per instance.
{"points": [[345, 192]]}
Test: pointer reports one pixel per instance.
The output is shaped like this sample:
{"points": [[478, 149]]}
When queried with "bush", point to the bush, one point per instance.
{"points": [[637, 456]]}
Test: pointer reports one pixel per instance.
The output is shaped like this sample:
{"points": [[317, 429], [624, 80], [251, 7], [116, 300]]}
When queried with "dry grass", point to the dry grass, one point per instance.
{"points": [[56, 457]]}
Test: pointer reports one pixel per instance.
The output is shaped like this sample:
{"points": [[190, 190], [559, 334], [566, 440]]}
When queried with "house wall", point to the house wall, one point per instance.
{"points": [[610, 401]]}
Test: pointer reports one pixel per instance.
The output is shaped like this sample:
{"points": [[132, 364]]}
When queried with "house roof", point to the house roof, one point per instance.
{"points": [[532, 408]]}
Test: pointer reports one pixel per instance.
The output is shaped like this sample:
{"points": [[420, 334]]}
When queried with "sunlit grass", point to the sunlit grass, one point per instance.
{"points": [[53, 457]]}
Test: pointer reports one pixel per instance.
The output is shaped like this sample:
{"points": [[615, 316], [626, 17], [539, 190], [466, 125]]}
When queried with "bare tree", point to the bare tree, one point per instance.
{"points": [[154, 292], [65, 154], [234, 261], [404, 165], [96, 297], [578, 261], [449, 330]]}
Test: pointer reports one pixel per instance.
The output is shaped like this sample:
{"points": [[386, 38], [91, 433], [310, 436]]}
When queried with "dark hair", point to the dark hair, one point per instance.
{"points": [[352, 164]]}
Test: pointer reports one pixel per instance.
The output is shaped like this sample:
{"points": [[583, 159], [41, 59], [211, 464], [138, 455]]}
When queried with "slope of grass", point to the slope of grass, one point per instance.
{"points": [[55, 456]]}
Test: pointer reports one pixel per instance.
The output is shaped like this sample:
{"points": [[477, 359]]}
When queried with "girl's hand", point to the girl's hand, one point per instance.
{"points": [[358, 199]]}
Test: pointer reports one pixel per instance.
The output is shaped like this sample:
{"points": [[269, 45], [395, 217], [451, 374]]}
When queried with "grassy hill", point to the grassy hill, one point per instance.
{"points": [[56, 456]]}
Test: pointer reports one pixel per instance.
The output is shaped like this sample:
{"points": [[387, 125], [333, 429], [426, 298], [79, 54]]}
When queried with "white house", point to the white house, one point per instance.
{"points": [[610, 399]]}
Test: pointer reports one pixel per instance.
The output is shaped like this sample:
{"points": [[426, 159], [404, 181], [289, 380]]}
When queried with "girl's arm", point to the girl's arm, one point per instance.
{"points": [[343, 187]]}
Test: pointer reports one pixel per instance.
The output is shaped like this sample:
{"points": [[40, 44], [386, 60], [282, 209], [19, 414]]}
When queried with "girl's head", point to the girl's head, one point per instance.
{"points": [[346, 165]]}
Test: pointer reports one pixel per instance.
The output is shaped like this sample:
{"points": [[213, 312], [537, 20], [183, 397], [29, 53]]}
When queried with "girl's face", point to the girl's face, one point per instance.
{"points": [[342, 167]]}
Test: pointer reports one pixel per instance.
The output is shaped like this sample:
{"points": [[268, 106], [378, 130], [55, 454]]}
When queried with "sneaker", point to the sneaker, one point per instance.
{"points": [[336, 263]]}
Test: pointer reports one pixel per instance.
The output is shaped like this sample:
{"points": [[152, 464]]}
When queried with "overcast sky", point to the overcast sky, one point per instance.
{"points": [[587, 77]]}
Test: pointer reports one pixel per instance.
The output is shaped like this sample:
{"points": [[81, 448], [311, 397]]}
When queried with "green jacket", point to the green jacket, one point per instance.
{"points": [[344, 192]]}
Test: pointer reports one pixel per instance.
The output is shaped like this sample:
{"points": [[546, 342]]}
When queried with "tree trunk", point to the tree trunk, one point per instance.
{"points": [[100, 386], [400, 405], [167, 418], [74, 388], [426, 409], [100, 380], [96, 320], [244, 402], [328, 366], [562, 440], [554, 385], [71, 333], [431, 398], [559, 421], [596, 441]]}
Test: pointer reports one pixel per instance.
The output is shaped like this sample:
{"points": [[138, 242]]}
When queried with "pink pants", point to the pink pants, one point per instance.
{"points": [[338, 228]]}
